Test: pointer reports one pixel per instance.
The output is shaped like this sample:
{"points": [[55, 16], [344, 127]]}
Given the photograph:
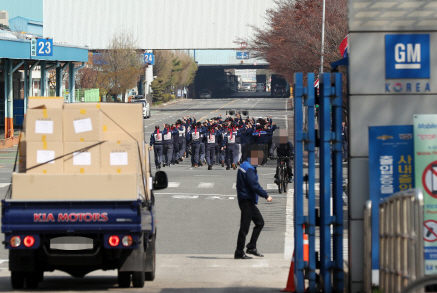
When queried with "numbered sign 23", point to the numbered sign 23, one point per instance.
{"points": [[44, 47]]}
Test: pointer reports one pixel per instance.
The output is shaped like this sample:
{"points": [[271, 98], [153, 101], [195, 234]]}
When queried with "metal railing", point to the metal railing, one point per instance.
{"points": [[368, 247], [401, 240]]}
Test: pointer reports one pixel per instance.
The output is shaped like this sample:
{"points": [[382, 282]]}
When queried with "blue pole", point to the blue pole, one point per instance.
{"points": [[338, 185], [325, 183], [299, 264], [310, 102]]}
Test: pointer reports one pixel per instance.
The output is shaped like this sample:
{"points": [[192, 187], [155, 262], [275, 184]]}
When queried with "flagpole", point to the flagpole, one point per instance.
{"points": [[323, 39]]}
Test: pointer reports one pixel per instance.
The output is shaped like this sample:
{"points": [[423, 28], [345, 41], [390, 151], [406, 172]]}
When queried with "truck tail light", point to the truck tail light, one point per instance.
{"points": [[29, 241], [127, 240], [15, 241], [114, 240]]}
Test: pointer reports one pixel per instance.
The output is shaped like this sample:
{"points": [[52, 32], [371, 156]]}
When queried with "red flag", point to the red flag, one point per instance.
{"points": [[343, 47]]}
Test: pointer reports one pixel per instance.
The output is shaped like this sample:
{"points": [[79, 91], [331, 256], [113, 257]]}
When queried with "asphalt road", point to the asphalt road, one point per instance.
{"points": [[198, 219]]}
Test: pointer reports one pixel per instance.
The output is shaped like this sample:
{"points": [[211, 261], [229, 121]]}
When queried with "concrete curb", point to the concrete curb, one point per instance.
{"points": [[170, 103]]}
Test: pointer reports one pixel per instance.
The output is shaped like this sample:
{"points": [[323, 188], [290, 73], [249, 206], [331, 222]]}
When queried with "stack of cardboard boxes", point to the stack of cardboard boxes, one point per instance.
{"points": [[82, 151]]}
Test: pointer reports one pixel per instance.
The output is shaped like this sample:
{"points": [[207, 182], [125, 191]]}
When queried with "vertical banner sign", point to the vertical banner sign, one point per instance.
{"points": [[391, 154], [425, 166]]}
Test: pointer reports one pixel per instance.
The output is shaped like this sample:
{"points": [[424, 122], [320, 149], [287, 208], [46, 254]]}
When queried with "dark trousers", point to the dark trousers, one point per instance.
{"points": [[231, 154], [244, 152], [210, 154], [217, 153], [344, 147], [195, 147], [202, 152], [249, 212], [168, 153], [157, 148]]}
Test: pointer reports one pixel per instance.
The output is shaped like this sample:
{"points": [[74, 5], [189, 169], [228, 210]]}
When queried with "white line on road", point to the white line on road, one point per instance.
{"points": [[289, 224], [185, 196], [205, 185], [174, 184], [234, 185], [4, 184], [272, 186], [3, 261]]}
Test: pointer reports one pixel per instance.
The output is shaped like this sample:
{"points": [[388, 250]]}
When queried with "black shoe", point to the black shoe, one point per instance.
{"points": [[223, 163], [193, 165], [239, 255], [254, 252], [209, 167], [200, 164], [227, 168], [277, 182], [163, 165], [177, 161], [159, 166]]}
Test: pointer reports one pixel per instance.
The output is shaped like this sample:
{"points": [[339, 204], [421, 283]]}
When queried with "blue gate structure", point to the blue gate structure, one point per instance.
{"points": [[331, 176]]}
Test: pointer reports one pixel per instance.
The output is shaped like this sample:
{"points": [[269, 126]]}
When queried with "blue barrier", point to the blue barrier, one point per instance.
{"points": [[331, 104]]}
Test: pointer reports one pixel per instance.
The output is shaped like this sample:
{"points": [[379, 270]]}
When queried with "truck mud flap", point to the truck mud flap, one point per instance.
{"points": [[135, 260]]}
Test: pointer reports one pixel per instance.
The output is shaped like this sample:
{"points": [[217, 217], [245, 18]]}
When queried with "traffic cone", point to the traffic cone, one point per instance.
{"points": [[290, 283], [306, 248]]}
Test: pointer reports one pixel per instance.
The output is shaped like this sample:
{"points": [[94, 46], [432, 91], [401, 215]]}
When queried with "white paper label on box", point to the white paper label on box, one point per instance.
{"points": [[118, 159], [82, 125], [45, 156], [43, 126], [81, 159]]}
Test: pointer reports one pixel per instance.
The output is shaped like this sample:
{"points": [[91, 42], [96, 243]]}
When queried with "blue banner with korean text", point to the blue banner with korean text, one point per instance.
{"points": [[391, 169]]}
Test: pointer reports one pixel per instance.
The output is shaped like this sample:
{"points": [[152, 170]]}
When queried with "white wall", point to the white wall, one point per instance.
{"points": [[155, 24]]}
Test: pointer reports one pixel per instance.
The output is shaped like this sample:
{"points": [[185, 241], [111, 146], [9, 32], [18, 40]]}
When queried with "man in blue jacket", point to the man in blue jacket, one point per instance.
{"points": [[248, 190]]}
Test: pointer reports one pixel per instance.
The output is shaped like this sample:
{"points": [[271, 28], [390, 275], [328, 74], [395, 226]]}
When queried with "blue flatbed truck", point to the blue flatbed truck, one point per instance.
{"points": [[99, 235]]}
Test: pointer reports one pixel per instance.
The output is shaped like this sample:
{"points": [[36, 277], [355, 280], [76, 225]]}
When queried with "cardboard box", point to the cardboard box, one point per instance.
{"points": [[82, 125], [22, 144], [71, 187], [46, 102], [128, 116], [40, 152], [44, 125], [21, 165], [119, 157], [83, 160]]}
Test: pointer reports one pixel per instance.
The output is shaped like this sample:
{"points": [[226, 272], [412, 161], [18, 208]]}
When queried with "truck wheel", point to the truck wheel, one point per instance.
{"points": [[32, 280], [138, 279], [150, 276], [123, 279], [17, 280]]}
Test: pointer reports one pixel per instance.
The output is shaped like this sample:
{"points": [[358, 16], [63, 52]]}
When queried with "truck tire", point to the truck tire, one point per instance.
{"points": [[17, 280], [123, 279], [138, 279], [150, 276], [32, 280]]}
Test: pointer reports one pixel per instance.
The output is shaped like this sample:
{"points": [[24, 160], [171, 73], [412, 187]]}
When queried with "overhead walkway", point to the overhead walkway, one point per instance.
{"points": [[17, 65]]}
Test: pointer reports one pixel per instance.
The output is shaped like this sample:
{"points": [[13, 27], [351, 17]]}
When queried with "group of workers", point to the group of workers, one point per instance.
{"points": [[221, 141]]}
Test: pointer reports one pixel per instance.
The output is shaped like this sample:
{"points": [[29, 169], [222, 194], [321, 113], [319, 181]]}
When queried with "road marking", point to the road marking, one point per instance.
{"points": [[3, 261], [217, 197], [272, 186], [216, 110], [289, 224], [205, 185], [174, 184], [234, 185], [186, 196], [4, 185]]}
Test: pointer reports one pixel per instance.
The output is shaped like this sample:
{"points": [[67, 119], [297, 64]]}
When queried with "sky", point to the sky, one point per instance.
{"points": [[32, 9]]}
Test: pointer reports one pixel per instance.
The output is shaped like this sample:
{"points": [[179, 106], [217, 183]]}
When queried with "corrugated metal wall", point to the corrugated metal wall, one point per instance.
{"points": [[156, 24]]}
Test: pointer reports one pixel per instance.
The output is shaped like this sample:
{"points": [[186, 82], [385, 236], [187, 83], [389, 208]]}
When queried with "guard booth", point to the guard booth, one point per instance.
{"points": [[19, 61]]}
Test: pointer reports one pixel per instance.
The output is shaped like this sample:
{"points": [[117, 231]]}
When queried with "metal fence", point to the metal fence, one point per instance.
{"points": [[368, 247], [84, 95], [401, 240]]}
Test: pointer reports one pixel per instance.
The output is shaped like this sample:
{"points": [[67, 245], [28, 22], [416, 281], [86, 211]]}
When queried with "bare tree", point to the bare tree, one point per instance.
{"points": [[121, 66]]}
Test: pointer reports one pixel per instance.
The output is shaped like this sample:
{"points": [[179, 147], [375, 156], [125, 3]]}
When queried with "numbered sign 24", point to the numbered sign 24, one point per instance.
{"points": [[44, 47]]}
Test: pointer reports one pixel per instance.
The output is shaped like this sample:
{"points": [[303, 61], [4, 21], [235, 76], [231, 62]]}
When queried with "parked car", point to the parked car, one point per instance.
{"points": [[146, 107], [260, 87], [246, 87], [205, 94]]}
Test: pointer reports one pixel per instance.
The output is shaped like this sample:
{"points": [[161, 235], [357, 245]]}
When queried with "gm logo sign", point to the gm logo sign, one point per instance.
{"points": [[407, 56]]}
